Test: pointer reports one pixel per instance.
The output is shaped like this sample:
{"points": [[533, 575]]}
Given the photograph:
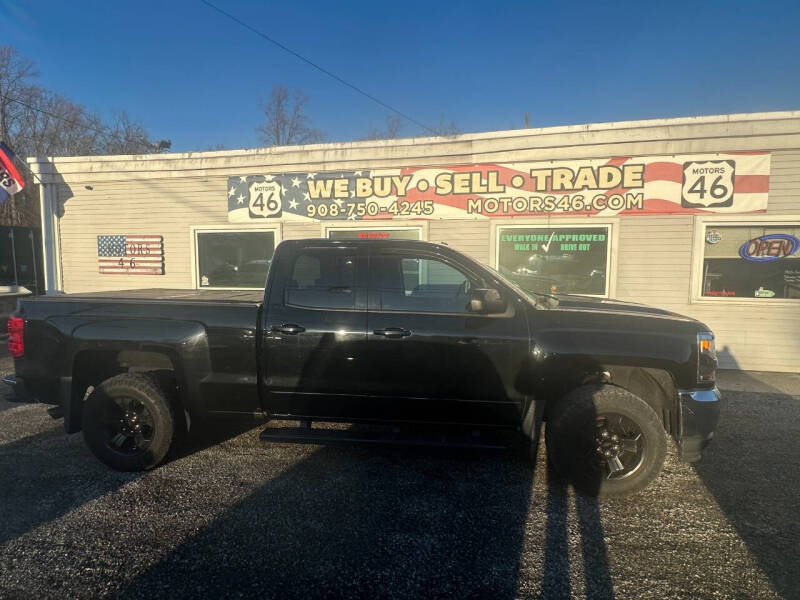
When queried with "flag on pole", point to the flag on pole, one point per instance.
{"points": [[11, 181]]}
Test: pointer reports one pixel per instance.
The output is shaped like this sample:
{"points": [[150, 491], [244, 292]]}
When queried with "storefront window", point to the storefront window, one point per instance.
{"points": [[410, 233], [19, 258], [751, 261], [234, 259], [565, 260]]}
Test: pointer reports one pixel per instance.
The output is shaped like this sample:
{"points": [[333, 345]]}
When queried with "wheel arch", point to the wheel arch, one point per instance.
{"points": [[655, 385], [90, 367]]}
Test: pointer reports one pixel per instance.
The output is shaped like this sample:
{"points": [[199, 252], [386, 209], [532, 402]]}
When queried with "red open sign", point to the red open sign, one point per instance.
{"points": [[769, 247]]}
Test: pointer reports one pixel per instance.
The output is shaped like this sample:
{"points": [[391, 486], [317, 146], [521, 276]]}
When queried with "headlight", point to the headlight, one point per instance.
{"points": [[706, 358]]}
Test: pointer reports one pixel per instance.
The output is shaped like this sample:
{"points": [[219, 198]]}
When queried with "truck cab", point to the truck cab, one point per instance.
{"points": [[391, 328]]}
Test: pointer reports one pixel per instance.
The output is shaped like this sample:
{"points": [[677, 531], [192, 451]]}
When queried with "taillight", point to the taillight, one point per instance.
{"points": [[16, 336]]}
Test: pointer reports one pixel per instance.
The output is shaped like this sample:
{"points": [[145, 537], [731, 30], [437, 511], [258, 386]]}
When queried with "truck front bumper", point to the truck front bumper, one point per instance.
{"points": [[699, 415]]}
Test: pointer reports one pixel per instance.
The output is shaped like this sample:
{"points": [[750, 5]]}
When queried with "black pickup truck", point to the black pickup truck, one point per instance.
{"points": [[396, 333]]}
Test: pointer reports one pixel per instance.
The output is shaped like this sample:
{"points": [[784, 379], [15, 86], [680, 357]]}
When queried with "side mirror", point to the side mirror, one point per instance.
{"points": [[487, 301]]}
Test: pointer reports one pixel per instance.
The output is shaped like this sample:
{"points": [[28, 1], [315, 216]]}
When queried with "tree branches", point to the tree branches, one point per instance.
{"points": [[286, 123], [40, 122]]}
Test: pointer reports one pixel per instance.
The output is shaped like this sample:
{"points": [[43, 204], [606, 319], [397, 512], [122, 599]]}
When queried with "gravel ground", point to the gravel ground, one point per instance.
{"points": [[236, 518]]}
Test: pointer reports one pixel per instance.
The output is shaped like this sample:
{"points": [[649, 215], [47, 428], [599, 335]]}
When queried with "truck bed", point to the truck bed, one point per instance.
{"points": [[252, 297], [211, 334]]}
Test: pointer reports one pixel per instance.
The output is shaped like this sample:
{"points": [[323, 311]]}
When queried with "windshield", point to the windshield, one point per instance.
{"points": [[540, 299], [512, 284]]}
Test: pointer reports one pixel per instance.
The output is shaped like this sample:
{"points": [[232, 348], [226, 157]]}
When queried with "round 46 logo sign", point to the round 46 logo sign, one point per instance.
{"points": [[708, 183], [266, 199]]}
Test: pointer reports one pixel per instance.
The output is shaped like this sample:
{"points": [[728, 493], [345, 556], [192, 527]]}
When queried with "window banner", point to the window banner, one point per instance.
{"points": [[11, 181], [733, 182]]}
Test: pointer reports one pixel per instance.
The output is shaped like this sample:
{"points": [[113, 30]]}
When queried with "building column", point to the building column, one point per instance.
{"points": [[50, 245]]}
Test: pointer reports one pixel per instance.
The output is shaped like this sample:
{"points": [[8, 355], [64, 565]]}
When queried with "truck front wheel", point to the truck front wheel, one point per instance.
{"points": [[605, 440], [128, 423]]}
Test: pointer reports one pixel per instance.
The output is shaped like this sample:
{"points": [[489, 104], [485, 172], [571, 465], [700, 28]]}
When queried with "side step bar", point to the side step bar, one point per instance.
{"points": [[309, 435]]}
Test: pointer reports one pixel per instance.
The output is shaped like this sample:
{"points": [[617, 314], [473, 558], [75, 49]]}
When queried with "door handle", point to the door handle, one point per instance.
{"points": [[393, 332], [288, 328]]}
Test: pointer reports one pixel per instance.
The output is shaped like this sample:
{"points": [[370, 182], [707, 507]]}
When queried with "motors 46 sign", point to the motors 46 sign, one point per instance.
{"points": [[688, 184], [708, 184]]}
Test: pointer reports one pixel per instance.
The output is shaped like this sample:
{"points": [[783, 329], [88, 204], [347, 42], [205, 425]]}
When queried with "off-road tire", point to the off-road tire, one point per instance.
{"points": [[140, 388], [570, 432]]}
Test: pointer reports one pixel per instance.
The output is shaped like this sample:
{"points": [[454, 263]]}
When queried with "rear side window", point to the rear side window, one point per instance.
{"points": [[418, 284], [322, 279]]}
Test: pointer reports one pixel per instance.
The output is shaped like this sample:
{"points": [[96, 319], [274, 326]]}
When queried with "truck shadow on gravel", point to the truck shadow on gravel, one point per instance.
{"points": [[556, 581], [752, 469], [353, 521], [374, 521], [32, 475], [46, 475]]}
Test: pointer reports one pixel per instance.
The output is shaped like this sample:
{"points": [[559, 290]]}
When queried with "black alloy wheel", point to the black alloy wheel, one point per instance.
{"points": [[128, 422], [605, 440], [620, 446], [128, 426]]}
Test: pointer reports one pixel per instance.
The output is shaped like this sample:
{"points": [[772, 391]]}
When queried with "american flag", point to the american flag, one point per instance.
{"points": [[131, 254]]}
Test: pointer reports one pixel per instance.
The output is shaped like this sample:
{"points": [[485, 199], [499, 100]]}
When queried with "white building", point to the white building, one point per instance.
{"points": [[696, 215]]}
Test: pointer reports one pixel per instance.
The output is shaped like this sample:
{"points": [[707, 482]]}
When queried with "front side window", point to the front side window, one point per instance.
{"points": [[322, 279], [234, 259], [564, 260], [751, 261], [418, 284]]}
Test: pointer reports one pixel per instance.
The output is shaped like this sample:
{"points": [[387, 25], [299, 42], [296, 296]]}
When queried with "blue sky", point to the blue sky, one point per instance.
{"points": [[194, 77]]}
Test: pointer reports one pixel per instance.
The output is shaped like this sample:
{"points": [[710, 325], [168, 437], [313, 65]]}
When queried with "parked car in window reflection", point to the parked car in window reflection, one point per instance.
{"points": [[560, 274]]}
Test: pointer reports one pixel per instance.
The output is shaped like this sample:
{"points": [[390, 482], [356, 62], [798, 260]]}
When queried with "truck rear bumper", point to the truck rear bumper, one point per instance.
{"points": [[699, 415], [36, 390], [18, 386]]}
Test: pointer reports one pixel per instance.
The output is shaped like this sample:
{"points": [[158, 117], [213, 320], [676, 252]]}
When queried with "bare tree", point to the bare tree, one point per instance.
{"points": [[16, 71], [39, 122], [128, 137], [394, 123], [55, 126], [445, 129], [286, 123]]}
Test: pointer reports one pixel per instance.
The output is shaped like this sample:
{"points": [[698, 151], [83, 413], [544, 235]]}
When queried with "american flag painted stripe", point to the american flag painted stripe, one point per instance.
{"points": [[141, 254], [143, 271], [659, 175], [112, 260]]}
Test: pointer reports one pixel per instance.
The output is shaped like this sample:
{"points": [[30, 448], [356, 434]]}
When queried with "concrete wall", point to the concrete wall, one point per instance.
{"points": [[172, 194]]}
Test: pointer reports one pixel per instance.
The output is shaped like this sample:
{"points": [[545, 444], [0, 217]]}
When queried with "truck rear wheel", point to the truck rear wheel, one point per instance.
{"points": [[605, 440], [128, 423]]}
